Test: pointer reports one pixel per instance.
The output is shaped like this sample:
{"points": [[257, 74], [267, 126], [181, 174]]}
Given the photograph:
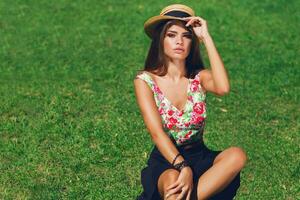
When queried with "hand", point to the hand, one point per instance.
{"points": [[184, 183], [199, 26]]}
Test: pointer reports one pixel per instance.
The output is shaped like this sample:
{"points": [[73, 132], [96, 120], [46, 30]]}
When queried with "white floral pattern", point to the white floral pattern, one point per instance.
{"points": [[186, 125]]}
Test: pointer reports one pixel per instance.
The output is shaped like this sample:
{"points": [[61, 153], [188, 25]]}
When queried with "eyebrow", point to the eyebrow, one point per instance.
{"points": [[176, 32]]}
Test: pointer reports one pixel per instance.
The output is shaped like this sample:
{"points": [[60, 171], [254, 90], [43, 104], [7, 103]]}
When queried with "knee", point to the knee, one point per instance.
{"points": [[166, 179], [238, 157], [171, 177]]}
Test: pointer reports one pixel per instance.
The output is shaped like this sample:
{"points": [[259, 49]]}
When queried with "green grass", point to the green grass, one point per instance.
{"points": [[70, 127]]}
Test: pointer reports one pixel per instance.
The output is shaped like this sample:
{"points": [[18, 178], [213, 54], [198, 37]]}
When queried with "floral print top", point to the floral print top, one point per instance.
{"points": [[186, 125]]}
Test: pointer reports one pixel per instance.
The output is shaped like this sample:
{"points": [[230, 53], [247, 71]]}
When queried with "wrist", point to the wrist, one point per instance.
{"points": [[186, 168], [175, 158], [206, 38], [181, 165]]}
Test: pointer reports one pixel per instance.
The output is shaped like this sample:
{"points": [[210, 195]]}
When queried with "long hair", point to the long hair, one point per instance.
{"points": [[156, 59]]}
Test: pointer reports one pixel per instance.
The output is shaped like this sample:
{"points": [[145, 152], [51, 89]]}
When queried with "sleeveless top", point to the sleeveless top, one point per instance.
{"points": [[184, 126]]}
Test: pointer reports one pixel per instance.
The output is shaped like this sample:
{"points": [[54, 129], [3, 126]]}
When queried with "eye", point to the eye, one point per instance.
{"points": [[188, 36], [170, 35]]}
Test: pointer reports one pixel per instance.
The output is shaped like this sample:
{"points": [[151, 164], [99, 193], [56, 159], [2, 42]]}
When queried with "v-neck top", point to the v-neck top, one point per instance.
{"points": [[187, 125]]}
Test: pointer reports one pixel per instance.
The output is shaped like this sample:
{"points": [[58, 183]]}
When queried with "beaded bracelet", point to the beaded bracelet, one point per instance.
{"points": [[175, 158], [181, 165]]}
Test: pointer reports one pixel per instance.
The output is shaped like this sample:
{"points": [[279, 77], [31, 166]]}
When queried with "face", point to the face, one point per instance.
{"points": [[177, 42]]}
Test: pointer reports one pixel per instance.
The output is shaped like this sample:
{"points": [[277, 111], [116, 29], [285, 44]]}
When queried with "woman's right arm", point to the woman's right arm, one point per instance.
{"points": [[153, 122]]}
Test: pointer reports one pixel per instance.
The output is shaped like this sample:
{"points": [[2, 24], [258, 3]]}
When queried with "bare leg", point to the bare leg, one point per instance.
{"points": [[226, 166], [165, 179]]}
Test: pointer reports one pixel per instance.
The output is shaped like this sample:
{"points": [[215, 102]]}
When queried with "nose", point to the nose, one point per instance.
{"points": [[179, 40]]}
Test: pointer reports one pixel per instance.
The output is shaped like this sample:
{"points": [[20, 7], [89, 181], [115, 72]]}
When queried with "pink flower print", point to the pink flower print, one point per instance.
{"points": [[194, 86], [170, 112], [180, 140], [188, 135], [160, 97], [180, 113], [161, 111], [169, 125], [156, 89], [190, 98], [173, 120], [195, 81], [198, 119], [186, 124], [166, 125], [199, 108]]}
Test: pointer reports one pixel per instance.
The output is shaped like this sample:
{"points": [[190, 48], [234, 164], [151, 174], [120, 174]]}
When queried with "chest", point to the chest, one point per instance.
{"points": [[193, 108], [175, 93]]}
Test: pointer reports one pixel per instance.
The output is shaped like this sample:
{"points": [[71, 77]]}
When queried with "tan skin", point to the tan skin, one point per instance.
{"points": [[173, 184]]}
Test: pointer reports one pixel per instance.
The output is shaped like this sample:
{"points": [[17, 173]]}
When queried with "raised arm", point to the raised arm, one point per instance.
{"points": [[216, 79], [152, 120]]}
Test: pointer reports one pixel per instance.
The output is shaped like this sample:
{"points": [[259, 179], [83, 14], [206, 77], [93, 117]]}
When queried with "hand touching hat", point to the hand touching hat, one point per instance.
{"points": [[199, 26]]}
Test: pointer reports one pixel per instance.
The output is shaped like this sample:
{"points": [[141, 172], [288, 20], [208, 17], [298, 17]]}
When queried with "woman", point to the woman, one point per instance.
{"points": [[170, 92]]}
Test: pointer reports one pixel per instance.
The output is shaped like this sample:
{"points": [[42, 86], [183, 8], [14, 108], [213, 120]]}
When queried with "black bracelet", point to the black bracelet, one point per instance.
{"points": [[181, 165], [175, 158]]}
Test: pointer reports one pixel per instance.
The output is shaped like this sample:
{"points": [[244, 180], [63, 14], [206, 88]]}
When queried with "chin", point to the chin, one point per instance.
{"points": [[178, 57]]}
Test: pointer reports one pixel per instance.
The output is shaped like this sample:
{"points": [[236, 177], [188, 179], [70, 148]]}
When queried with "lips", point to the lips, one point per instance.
{"points": [[179, 50]]}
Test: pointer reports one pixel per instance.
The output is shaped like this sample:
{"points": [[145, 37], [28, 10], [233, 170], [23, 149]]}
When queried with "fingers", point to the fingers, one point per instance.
{"points": [[197, 20], [183, 193], [173, 191], [172, 185], [172, 188], [191, 21], [188, 197]]}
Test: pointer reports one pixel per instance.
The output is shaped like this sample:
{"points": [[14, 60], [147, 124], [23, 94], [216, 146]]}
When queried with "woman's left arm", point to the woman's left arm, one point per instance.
{"points": [[216, 79]]}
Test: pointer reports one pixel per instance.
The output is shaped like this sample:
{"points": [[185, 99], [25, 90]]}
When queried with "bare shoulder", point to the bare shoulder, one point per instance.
{"points": [[204, 74], [139, 72], [141, 86], [145, 98]]}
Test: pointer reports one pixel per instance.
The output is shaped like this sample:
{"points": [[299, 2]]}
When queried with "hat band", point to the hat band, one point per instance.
{"points": [[176, 13]]}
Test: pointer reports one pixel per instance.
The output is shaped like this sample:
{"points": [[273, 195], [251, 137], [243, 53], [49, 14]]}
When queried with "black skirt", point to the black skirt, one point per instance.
{"points": [[199, 157]]}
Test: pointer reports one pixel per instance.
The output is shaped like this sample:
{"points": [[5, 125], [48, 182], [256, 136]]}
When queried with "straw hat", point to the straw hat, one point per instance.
{"points": [[174, 11]]}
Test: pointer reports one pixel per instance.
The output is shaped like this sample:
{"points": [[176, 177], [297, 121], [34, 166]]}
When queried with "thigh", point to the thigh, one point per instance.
{"points": [[168, 177], [235, 154]]}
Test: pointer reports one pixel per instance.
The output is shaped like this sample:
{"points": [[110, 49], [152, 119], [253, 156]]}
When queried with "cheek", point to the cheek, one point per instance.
{"points": [[167, 45], [188, 44]]}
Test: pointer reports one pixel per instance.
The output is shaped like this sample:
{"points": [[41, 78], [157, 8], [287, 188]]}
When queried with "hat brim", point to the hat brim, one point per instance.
{"points": [[151, 24]]}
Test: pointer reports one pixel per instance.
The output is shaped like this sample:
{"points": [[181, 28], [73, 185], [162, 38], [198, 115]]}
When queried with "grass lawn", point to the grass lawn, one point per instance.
{"points": [[70, 127]]}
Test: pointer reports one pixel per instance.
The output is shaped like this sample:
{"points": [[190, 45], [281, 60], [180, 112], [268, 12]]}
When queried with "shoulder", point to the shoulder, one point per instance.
{"points": [[204, 74], [139, 73], [143, 73], [142, 82], [139, 76]]}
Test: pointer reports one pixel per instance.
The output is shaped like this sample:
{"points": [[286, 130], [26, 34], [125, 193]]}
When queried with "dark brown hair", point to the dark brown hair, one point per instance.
{"points": [[156, 61]]}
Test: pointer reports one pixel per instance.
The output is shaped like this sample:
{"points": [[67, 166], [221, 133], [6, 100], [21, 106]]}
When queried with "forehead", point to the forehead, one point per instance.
{"points": [[178, 29]]}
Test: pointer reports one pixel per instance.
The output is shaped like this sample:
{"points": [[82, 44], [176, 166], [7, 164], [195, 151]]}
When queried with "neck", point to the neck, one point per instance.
{"points": [[176, 69]]}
